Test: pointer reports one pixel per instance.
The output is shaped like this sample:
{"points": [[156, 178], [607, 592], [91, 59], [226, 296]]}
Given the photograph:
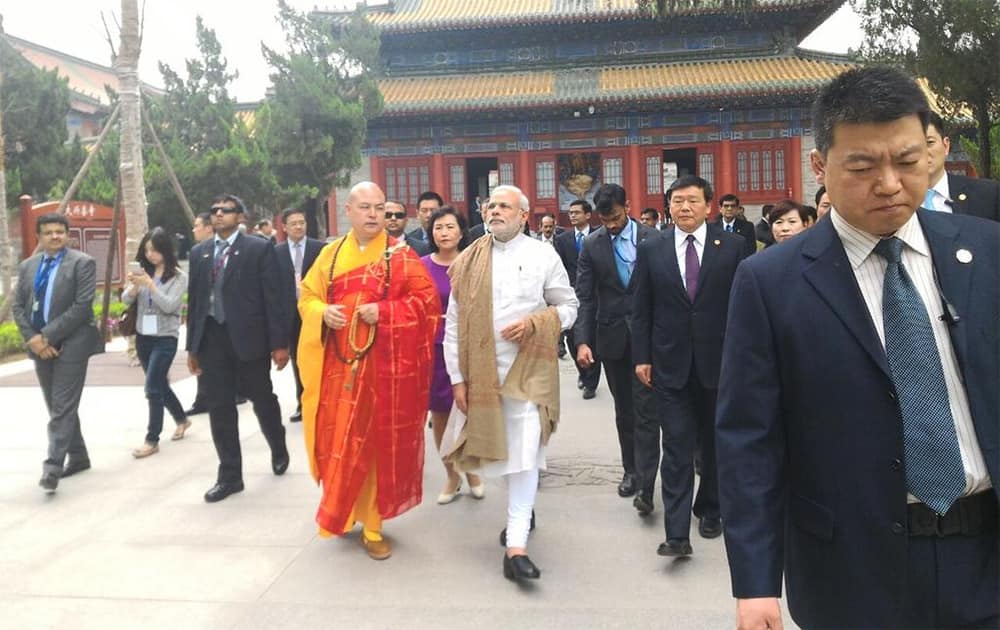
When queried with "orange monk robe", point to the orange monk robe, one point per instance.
{"points": [[371, 417]]}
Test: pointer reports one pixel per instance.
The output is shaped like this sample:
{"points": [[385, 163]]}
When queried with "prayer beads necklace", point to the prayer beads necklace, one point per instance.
{"points": [[358, 352]]}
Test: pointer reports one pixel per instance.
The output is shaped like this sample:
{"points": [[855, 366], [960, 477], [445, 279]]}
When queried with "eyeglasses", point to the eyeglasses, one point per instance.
{"points": [[224, 209], [395, 215]]}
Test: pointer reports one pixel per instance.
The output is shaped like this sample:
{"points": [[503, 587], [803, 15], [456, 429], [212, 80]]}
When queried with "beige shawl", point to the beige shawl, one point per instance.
{"points": [[534, 376]]}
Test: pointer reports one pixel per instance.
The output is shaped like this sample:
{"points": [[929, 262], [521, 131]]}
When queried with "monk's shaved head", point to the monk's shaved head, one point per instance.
{"points": [[364, 186]]}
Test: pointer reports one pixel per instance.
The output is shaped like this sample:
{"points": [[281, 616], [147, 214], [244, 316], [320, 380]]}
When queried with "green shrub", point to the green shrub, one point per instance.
{"points": [[10, 339]]}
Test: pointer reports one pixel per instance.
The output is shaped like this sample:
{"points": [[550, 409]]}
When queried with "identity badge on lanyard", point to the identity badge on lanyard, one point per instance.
{"points": [[150, 324]]}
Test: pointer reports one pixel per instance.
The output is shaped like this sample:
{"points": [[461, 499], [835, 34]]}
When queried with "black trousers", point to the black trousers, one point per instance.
{"points": [[634, 406], [590, 376], [224, 375], [951, 581], [293, 352], [687, 419]]}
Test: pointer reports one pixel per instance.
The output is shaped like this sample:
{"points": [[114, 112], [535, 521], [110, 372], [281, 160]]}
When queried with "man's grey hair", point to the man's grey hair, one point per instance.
{"points": [[517, 191]]}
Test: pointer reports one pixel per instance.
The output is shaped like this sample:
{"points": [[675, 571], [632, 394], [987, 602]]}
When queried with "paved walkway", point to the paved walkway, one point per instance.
{"points": [[131, 544]]}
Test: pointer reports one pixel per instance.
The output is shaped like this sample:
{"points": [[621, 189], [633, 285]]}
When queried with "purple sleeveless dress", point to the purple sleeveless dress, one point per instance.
{"points": [[441, 396]]}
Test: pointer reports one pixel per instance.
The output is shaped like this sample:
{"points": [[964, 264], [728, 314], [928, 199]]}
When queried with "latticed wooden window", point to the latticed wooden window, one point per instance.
{"points": [[654, 176], [545, 179], [613, 171], [457, 182]]}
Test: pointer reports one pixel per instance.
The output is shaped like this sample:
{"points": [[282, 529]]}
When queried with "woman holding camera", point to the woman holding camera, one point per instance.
{"points": [[158, 286]]}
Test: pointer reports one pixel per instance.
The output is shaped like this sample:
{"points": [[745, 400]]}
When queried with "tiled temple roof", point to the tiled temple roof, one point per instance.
{"points": [[666, 82], [433, 15], [85, 78]]}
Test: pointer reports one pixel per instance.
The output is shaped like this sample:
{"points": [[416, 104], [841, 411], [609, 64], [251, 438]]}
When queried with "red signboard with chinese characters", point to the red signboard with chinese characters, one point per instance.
{"points": [[89, 231]]}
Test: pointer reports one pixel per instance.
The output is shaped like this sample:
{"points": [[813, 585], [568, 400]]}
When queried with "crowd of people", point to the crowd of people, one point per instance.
{"points": [[821, 390]]}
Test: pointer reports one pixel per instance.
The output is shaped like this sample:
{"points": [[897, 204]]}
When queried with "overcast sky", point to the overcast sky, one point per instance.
{"points": [[74, 27]]}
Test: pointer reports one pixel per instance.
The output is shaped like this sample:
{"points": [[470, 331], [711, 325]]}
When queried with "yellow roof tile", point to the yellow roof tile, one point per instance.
{"points": [[424, 13], [729, 76], [446, 92], [689, 80]]}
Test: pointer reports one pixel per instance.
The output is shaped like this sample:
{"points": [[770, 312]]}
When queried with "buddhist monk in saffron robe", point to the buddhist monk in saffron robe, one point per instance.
{"points": [[369, 313]]}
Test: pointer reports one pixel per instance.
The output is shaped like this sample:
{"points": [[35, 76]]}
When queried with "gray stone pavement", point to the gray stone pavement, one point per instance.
{"points": [[131, 544]]}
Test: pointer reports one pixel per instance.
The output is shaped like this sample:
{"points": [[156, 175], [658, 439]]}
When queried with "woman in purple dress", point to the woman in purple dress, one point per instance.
{"points": [[446, 228]]}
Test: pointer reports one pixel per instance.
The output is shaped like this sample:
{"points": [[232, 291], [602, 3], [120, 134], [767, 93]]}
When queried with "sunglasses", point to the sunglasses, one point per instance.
{"points": [[395, 215], [224, 209]]}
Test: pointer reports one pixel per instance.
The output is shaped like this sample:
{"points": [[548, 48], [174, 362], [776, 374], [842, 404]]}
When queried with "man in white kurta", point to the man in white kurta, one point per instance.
{"points": [[527, 277]]}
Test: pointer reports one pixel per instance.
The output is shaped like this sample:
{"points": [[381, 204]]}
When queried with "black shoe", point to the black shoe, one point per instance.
{"points": [[710, 527], [49, 482], [588, 393], [280, 464], [74, 466], [562, 353], [675, 547], [221, 490], [503, 533], [643, 505], [628, 486], [520, 568], [579, 383], [194, 411], [241, 399], [295, 417]]}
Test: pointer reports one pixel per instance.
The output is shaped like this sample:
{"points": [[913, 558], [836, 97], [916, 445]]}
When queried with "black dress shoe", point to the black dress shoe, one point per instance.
{"points": [[520, 568], [241, 399], [709, 527], [49, 482], [220, 491], [675, 548], [579, 383], [588, 393], [643, 505], [295, 417], [280, 465], [628, 486], [503, 533], [74, 466], [194, 411]]}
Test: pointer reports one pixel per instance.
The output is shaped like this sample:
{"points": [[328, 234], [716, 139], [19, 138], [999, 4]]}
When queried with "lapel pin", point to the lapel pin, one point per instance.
{"points": [[964, 256], [718, 242], [204, 255], [961, 197]]}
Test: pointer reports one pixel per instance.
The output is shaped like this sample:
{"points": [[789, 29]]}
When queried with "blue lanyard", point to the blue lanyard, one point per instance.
{"points": [[618, 253], [149, 293], [47, 264]]}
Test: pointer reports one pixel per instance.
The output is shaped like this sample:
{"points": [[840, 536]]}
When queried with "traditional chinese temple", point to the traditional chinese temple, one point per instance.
{"points": [[560, 96]]}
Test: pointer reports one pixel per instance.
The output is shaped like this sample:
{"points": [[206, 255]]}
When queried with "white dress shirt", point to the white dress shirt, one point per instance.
{"points": [[942, 195], [680, 247], [528, 276], [869, 270]]}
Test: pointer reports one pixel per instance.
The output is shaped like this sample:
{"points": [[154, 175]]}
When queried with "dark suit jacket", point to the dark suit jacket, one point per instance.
{"points": [[287, 270], [809, 437], [565, 245], [417, 234], [975, 196], [745, 229], [258, 315], [605, 305], [421, 248], [70, 328], [670, 332], [476, 231]]}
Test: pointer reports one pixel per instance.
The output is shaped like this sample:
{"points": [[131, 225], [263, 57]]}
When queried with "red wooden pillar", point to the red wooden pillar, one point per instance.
{"points": [[726, 183], [634, 190], [525, 175], [377, 175], [439, 182], [794, 183]]}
